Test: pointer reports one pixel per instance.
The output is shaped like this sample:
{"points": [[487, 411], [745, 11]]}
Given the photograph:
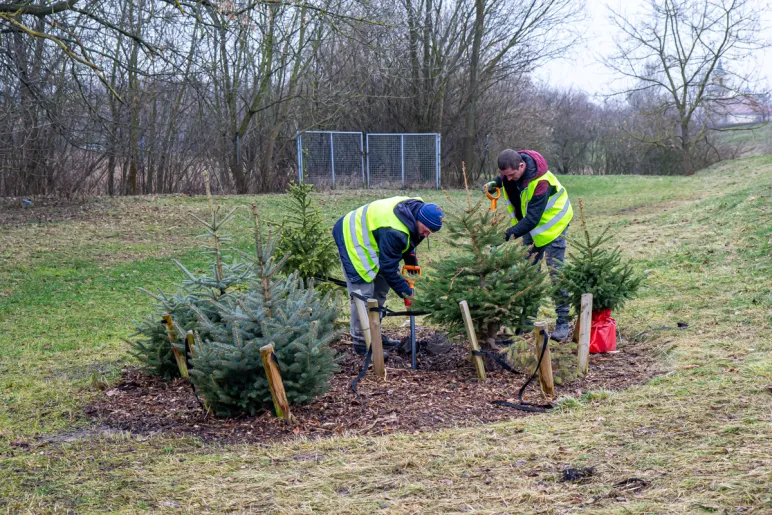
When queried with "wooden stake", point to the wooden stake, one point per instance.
{"points": [[479, 365], [364, 320], [280, 403], [181, 364], [545, 369], [191, 342], [585, 324], [375, 337]]}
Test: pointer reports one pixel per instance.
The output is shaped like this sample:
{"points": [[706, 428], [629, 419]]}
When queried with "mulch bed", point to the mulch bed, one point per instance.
{"points": [[442, 392]]}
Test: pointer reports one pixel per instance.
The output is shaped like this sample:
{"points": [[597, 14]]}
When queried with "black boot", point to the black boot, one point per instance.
{"points": [[388, 343], [562, 330], [361, 349]]}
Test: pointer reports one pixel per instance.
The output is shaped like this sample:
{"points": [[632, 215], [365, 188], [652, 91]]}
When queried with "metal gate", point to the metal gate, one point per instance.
{"points": [[337, 159], [409, 159], [331, 158]]}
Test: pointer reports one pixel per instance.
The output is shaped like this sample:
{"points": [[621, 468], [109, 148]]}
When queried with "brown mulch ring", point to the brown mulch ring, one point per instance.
{"points": [[442, 392]]}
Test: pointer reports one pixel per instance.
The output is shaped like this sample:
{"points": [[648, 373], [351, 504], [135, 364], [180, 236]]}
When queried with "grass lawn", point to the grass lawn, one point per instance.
{"points": [[747, 142], [699, 435]]}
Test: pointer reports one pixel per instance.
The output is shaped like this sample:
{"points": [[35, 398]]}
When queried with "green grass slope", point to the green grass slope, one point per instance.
{"points": [[699, 434]]}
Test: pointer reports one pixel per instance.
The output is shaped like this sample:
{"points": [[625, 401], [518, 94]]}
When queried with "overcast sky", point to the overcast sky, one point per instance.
{"points": [[581, 68]]}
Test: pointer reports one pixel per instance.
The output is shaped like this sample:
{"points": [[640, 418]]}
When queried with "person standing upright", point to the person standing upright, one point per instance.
{"points": [[540, 211]]}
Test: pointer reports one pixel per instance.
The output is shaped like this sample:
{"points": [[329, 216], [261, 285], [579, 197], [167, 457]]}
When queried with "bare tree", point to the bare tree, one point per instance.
{"points": [[574, 128], [676, 50], [512, 38]]}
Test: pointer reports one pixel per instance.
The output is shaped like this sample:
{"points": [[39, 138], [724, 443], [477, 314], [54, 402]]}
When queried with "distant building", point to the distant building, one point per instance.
{"points": [[743, 110], [730, 107]]}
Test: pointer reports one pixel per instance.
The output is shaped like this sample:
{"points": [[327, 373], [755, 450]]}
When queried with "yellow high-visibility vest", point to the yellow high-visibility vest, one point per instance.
{"points": [[557, 214], [358, 228]]}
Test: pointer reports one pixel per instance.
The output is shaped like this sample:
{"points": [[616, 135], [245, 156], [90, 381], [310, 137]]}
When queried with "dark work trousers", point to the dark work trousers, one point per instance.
{"points": [[555, 251]]}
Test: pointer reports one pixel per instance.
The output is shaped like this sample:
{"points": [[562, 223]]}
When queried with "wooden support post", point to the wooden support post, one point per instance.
{"points": [[364, 320], [479, 365], [585, 324], [375, 337], [191, 343], [280, 403], [181, 364], [545, 369]]}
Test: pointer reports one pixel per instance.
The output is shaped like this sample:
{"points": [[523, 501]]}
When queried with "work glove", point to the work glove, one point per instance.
{"points": [[408, 302], [490, 187], [410, 259], [510, 233]]}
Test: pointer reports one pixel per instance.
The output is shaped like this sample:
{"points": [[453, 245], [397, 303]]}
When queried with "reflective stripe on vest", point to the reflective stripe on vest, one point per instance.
{"points": [[361, 246], [557, 213]]}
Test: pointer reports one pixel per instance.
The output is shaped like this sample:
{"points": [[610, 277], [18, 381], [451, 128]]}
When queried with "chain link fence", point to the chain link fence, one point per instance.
{"points": [[338, 159]]}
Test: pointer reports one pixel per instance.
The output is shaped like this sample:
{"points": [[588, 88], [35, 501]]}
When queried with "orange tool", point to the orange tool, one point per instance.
{"points": [[493, 199], [411, 268]]}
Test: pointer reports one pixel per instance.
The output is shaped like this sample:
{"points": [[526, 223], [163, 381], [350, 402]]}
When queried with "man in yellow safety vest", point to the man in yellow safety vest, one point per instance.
{"points": [[372, 240], [540, 212]]}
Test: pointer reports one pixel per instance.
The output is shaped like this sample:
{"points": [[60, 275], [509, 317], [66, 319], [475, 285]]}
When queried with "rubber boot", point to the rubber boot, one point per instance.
{"points": [[562, 330]]}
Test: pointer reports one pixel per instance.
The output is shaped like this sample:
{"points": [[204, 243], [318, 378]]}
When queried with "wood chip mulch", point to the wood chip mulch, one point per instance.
{"points": [[442, 392]]}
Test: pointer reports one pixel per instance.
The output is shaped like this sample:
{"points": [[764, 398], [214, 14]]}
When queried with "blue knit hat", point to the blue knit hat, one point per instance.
{"points": [[431, 216]]}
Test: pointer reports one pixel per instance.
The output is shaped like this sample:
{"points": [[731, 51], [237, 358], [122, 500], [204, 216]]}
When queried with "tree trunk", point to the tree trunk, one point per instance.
{"points": [[687, 166], [428, 72], [237, 169], [470, 125], [415, 76]]}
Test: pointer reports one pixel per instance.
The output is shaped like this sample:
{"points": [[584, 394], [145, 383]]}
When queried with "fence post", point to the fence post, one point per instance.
{"points": [[439, 153], [332, 160], [362, 153], [367, 157], [402, 157], [299, 138]]}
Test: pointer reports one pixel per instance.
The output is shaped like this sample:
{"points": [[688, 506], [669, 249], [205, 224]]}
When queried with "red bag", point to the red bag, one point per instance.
{"points": [[603, 333]]}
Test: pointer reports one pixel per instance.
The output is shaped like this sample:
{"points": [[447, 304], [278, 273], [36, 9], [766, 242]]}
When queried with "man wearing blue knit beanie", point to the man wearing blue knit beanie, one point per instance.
{"points": [[372, 240]]}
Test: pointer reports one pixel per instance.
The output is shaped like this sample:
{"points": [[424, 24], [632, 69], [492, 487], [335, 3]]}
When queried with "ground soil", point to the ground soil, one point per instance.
{"points": [[442, 392]]}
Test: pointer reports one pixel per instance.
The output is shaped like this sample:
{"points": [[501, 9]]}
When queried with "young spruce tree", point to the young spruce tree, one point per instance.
{"points": [[595, 268], [234, 310], [304, 237], [227, 368], [196, 294], [496, 278]]}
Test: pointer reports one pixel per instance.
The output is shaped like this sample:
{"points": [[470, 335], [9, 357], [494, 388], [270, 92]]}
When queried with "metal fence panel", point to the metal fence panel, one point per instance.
{"points": [[403, 160], [331, 159], [338, 160]]}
